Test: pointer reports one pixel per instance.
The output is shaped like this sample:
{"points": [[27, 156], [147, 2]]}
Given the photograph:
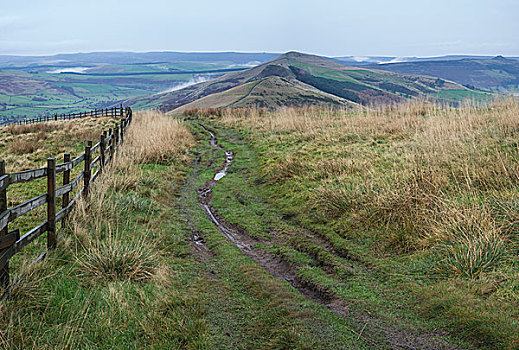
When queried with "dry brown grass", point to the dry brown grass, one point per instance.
{"points": [[158, 138], [28, 146], [423, 172], [32, 128], [19, 147]]}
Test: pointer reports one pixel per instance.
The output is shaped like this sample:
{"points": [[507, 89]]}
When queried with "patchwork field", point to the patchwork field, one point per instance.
{"points": [[45, 89]]}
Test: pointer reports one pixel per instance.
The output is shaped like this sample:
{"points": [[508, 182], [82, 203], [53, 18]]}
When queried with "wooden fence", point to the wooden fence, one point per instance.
{"points": [[106, 112], [93, 160]]}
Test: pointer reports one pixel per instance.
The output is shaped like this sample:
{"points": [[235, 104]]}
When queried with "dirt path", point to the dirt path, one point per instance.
{"points": [[244, 97], [370, 327]]}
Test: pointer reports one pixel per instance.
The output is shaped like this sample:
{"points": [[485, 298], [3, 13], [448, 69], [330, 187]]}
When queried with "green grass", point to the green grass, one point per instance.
{"points": [[462, 95], [260, 210], [377, 265], [216, 297]]}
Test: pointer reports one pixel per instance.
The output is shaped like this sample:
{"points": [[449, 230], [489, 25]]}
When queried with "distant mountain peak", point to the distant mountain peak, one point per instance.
{"points": [[500, 58], [294, 53]]}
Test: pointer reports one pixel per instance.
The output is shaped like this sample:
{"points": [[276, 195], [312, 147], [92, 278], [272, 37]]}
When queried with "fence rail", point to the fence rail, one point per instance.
{"points": [[105, 112], [10, 241]]}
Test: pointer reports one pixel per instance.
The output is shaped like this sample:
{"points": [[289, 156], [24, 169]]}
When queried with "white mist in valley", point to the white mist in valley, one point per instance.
{"points": [[69, 70], [194, 80]]}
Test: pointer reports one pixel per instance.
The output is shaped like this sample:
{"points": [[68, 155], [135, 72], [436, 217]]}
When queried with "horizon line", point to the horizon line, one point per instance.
{"points": [[248, 52]]}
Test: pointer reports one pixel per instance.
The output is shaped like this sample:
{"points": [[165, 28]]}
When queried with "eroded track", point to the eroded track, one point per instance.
{"points": [[370, 328]]}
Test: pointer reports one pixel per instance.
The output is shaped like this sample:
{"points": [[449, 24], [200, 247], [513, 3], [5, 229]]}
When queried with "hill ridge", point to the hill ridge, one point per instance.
{"points": [[348, 84]]}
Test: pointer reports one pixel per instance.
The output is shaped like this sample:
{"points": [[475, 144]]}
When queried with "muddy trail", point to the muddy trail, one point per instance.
{"points": [[243, 241], [372, 329]]}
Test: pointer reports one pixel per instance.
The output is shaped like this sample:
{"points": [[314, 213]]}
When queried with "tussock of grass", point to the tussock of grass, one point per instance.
{"points": [[118, 259], [138, 203], [470, 244], [20, 147]]}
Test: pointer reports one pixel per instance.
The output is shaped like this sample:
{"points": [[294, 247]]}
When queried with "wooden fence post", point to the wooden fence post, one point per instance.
{"points": [[51, 203], [122, 111], [112, 148], [116, 134], [4, 273], [122, 131], [102, 151], [66, 181], [88, 171]]}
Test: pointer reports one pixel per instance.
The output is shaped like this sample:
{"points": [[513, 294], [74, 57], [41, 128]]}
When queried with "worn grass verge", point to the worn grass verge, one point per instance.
{"points": [[115, 278], [423, 195]]}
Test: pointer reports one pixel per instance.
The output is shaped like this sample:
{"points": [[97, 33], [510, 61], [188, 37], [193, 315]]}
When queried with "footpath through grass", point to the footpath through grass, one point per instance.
{"points": [[388, 210], [407, 213], [126, 274]]}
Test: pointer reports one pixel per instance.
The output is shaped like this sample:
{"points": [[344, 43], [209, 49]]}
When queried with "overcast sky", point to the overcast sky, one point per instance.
{"points": [[325, 27]]}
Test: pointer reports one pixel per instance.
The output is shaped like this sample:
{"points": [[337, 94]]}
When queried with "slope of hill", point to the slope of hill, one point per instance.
{"points": [[64, 83], [267, 92], [300, 72], [42, 90], [496, 74]]}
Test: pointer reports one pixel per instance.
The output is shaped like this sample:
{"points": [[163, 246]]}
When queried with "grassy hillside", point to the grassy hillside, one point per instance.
{"points": [[47, 89], [497, 74], [389, 227], [129, 273], [265, 93], [417, 202], [326, 77], [31, 85]]}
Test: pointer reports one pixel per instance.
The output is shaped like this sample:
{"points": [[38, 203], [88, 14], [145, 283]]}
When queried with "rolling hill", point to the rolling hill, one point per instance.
{"points": [[267, 92], [496, 74], [33, 86], [372, 60], [295, 79]]}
